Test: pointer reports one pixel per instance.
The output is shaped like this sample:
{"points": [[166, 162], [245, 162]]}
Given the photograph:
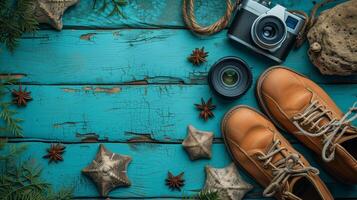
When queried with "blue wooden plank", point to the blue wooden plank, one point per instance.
{"points": [[148, 169], [125, 113], [132, 56], [155, 14]]}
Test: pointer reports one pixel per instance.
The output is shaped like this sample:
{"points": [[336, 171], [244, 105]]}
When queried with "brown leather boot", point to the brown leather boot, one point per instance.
{"points": [[256, 145], [302, 108]]}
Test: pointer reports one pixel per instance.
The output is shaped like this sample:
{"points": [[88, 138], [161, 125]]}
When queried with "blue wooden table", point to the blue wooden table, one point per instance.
{"points": [[127, 83]]}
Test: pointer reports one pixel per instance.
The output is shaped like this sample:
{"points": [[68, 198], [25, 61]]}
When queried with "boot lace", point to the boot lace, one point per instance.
{"points": [[331, 131], [283, 169]]}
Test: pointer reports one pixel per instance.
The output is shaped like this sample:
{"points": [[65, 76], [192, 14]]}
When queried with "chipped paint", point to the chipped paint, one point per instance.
{"points": [[116, 34], [16, 76], [89, 137], [140, 137], [157, 80], [108, 90], [70, 90], [198, 77], [139, 82], [87, 36], [112, 90], [69, 123]]}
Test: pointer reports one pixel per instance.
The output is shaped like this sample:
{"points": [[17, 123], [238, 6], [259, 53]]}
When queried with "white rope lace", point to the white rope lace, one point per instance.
{"points": [[332, 131], [283, 169]]}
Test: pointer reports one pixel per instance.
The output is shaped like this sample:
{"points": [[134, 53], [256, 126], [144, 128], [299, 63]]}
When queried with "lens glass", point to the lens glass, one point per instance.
{"points": [[230, 77], [270, 30]]}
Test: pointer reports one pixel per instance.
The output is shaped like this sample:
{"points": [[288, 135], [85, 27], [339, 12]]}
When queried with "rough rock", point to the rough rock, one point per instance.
{"points": [[333, 40]]}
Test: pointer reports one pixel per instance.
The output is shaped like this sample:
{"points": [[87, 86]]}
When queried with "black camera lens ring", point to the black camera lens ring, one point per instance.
{"points": [[257, 32], [244, 79], [276, 24]]}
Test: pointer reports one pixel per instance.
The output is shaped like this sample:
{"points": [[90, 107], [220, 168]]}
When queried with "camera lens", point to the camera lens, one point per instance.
{"points": [[230, 77], [268, 32]]}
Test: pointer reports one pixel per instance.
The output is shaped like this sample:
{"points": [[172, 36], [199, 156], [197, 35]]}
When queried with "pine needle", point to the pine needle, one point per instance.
{"points": [[204, 195], [116, 5], [208, 195], [15, 20], [7, 115], [23, 182]]}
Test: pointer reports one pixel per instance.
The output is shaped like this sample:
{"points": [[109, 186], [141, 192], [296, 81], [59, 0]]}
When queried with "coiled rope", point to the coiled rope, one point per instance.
{"points": [[188, 11]]}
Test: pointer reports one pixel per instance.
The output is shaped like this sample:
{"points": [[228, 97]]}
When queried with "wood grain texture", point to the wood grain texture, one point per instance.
{"points": [[148, 169], [158, 113], [133, 57], [127, 83], [156, 14]]}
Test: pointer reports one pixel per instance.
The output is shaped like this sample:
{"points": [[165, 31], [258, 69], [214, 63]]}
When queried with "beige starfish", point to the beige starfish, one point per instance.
{"points": [[227, 182], [198, 143], [108, 170], [51, 11]]}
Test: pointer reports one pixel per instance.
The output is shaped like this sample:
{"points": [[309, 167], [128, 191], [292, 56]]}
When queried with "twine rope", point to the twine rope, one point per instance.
{"points": [[309, 21], [188, 11]]}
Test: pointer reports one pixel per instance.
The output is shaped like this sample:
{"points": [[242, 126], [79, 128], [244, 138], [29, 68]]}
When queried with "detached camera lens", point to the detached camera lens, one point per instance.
{"points": [[230, 77]]}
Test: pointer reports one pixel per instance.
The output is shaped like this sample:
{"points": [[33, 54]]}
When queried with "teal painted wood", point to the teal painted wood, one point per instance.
{"points": [[122, 113], [127, 56], [74, 76], [155, 14], [148, 169]]}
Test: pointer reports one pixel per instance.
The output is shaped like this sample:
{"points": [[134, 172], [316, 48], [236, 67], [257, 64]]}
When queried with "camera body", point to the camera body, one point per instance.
{"points": [[270, 32]]}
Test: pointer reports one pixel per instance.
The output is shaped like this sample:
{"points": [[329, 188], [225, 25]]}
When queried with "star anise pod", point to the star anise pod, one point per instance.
{"points": [[21, 97], [175, 182], [198, 56], [206, 109], [54, 153]]}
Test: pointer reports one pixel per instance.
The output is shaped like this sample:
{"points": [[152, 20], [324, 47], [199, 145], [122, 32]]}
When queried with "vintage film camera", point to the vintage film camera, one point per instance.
{"points": [[270, 32]]}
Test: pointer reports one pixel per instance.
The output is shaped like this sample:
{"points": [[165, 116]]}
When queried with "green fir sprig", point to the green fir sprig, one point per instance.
{"points": [[204, 195], [117, 6], [16, 19], [11, 152], [9, 123], [22, 180], [207, 195]]}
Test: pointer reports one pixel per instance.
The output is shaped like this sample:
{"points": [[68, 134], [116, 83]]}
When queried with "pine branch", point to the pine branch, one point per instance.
{"points": [[117, 6], [23, 182], [207, 195], [12, 123], [13, 151], [15, 20], [6, 114], [204, 195], [63, 194]]}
